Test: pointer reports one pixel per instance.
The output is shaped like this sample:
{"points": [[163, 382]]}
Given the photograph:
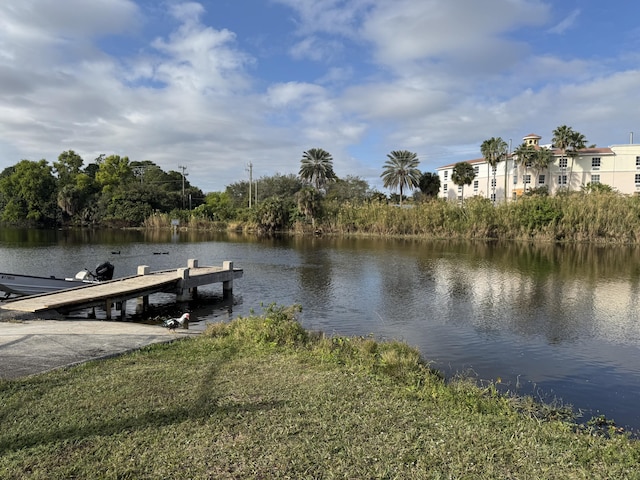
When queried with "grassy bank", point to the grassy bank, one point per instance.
{"points": [[262, 398]]}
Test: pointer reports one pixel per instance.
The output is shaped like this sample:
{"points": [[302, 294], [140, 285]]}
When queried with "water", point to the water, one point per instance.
{"points": [[558, 322]]}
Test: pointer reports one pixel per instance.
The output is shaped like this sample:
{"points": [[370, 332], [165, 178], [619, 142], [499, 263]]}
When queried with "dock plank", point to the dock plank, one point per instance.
{"points": [[172, 281]]}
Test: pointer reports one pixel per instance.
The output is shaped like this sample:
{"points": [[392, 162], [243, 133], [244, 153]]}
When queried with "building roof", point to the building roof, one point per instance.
{"points": [[595, 151], [556, 152]]}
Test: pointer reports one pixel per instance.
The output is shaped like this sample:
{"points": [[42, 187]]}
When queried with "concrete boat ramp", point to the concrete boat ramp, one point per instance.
{"points": [[32, 346], [183, 282]]}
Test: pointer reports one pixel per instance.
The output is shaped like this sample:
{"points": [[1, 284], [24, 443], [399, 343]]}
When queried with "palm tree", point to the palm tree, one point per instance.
{"points": [[308, 200], [463, 174], [401, 170], [494, 150], [429, 184], [317, 167], [541, 160], [577, 141], [524, 156], [561, 139], [569, 142]]}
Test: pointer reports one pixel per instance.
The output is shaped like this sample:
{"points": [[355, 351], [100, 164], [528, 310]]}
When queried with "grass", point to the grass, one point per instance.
{"points": [[260, 397], [595, 217], [570, 217]]}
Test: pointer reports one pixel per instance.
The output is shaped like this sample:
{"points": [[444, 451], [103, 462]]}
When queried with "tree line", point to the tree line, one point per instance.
{"points": [[110, 191], [113, 191]]}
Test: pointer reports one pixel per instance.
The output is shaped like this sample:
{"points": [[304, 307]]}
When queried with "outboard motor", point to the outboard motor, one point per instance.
{"points": [[104, 272]]}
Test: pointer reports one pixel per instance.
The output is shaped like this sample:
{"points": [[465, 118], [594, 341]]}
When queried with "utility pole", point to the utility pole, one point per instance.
{"points": [[183, 175], [250, 168]]}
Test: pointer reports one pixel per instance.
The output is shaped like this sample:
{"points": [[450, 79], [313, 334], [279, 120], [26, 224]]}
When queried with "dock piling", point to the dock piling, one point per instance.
{"points": [[227, 285], [143, 302]]}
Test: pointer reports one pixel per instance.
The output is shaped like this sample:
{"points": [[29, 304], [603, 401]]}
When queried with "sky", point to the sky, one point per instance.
{"points": [[225, 87]]}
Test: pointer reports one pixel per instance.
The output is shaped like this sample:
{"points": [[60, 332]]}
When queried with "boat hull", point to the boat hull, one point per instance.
{"points": [[21, 285]]}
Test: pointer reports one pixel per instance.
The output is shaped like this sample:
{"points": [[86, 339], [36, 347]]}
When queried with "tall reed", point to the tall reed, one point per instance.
{"points": [[572, 217], [577, 217]]}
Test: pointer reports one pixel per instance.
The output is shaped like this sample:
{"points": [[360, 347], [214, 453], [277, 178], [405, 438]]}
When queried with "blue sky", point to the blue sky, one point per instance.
{"points": [[218, 84]]}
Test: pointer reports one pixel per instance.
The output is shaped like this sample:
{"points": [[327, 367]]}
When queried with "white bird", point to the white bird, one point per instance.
{"points": [[174, 323]]}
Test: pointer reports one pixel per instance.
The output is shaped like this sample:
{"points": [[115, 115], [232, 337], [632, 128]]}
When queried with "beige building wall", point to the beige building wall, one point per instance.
{"points": [[617, 166]]}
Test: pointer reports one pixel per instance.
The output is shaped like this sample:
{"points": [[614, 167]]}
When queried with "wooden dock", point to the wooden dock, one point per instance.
{"points": [[183, 282]]}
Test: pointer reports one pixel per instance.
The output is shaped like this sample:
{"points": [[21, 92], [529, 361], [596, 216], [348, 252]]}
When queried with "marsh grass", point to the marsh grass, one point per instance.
{"points": [[260, 397], [596, 217], [574, 216]]}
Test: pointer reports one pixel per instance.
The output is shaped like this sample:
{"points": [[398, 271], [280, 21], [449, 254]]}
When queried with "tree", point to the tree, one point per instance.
{"points": [[429, 184], [541, 160], [523, 156], [494, 151], [463, 174], [75, 187], [28, 193], [67, 167], [577, 142], [272, 215], [350, 189], [317, 167], [114, 171], [597, 188], [308, 201], [569, 142], [217, 207], [278, 185], [401, 170]]}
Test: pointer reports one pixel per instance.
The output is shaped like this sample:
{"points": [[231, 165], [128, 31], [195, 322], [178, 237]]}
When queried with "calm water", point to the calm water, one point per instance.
{"points": [[559, 322]]}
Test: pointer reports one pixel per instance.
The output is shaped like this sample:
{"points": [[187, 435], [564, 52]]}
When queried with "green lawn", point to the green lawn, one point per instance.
{"points": [[262, 398]]}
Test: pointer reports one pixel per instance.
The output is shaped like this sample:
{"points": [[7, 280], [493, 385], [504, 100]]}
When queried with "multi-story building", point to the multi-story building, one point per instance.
{"points": [[617, 166]]}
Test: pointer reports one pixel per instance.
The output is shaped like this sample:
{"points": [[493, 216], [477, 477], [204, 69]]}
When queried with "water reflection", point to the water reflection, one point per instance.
{"points": [[554, 320]]}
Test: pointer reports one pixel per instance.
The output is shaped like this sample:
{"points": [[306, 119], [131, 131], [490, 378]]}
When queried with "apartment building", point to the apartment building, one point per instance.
{"points": [[617, 166]]}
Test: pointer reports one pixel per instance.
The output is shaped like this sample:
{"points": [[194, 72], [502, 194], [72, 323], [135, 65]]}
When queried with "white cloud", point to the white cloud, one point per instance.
{"points": [[363, 77], [440, 30], [293, 93], [566, 23]]}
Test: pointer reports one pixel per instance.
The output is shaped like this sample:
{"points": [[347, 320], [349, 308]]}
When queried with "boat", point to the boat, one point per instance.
{"points": [[21, 285]]}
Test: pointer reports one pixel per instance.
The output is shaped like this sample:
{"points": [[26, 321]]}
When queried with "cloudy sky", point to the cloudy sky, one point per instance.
{"points": [[218, 84]]}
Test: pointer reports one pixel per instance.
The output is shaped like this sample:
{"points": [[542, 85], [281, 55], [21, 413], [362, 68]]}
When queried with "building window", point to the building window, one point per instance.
{"points": [[444, 188], [446, 175], [562, 162], [637, 179], [527, 164], [541, 180], [515, 179], [493, 197], [595, 178], [493, 183], [526, 179], [595, 163], [475, 185], [476, 169], [562, 179], [637, 162], [460, 189]]}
